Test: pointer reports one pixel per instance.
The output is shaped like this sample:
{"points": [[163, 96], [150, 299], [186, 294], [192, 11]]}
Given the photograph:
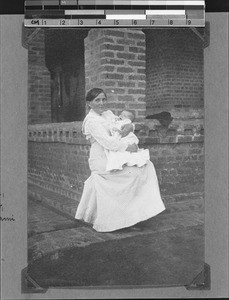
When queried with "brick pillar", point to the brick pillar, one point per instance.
{"points": [[174, 70], [115, 62], [39, 88]]}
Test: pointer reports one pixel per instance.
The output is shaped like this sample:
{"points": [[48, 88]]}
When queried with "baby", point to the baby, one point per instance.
{"points": [[117, 159], [126, 117]]}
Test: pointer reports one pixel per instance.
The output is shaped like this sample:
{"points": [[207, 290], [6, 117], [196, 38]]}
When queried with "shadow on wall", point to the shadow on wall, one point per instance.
{"points": [[164, 118]]}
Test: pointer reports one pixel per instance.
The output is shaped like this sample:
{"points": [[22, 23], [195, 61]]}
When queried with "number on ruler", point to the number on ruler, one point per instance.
{"points": [[44, 22], [170, 22], [152, 22], [62, 22], [99, 22], [189, 22], [134, 22], [116, 22], [80, 22]]}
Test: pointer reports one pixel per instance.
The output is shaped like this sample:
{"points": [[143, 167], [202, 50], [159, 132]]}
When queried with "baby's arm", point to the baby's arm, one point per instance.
{"points": [[127, 128]]}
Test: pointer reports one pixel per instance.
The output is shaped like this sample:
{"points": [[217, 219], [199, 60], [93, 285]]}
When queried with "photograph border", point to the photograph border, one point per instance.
{"points": [[14, 171]]}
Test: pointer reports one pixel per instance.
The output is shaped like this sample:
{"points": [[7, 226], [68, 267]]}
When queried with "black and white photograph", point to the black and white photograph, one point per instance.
{"points": [[109, 202], [115, 157]]}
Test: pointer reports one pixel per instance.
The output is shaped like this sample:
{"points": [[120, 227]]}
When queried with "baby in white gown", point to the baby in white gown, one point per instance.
{"points": [[117, 159]]}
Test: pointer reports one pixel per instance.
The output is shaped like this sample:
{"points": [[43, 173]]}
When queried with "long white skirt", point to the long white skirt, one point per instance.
{"points": [[117, 199]]}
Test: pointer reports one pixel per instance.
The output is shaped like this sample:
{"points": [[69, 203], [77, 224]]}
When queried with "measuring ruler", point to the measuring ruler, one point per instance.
{"points": [[114, 13]]}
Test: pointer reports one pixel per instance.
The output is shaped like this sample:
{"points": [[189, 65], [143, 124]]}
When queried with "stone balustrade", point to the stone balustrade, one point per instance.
{"points": [[57, 132], [149, 132]]}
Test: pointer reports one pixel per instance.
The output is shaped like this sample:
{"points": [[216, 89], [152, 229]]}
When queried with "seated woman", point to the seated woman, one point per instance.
{"points": [[114, 200]]}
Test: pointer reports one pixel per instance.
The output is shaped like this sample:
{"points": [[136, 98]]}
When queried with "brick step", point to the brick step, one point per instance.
{"points": [[50, 233], [68, 206], [191, 205], [60, 202]]}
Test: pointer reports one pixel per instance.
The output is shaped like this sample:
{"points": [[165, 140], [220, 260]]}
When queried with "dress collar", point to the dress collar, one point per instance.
{"points": [[91, 111], [103, 114]]}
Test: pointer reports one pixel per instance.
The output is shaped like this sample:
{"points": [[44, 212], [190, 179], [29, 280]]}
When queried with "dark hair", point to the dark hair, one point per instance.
{"points": [[93, 93]]}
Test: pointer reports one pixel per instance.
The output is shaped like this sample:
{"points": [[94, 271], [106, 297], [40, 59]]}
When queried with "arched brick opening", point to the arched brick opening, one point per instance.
{"points": [[64, 57], [56, 75]]}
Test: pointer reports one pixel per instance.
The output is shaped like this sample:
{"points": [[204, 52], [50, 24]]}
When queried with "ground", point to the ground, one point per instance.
{"points": [[166, 250]]}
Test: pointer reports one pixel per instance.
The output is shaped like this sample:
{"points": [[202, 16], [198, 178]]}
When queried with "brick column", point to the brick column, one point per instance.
{"points": [[39, 87], [115, 61], [174, 70]]}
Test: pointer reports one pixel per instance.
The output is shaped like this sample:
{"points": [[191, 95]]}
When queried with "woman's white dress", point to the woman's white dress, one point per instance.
{"points": [[116, 199]]}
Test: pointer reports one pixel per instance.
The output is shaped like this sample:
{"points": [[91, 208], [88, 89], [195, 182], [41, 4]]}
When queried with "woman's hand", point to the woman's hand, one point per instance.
{"points": [[126, 129], [132, 148]]}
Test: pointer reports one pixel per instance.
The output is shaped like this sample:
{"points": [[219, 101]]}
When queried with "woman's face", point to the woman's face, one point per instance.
{"points": [[99, 103]]}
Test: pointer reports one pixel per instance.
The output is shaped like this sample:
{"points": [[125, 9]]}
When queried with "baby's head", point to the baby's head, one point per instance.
{"points": [[127, 114]]}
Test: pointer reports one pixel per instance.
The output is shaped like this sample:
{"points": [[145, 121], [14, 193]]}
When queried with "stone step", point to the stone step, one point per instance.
{"points": [[50, 234], [60, 202], [68, 206], [52, 230]]}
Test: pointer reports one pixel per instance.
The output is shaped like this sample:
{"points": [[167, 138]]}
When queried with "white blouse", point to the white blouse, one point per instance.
{"points": [[97, 126]]}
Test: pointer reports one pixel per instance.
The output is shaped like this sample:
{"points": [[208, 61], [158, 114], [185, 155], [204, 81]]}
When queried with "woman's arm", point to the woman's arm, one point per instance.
{"points": [[126, 129], [99, 133]]}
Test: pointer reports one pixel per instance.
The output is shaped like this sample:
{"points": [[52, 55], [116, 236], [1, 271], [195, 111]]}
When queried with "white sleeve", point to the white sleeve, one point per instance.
{"points": [[99, 133]]}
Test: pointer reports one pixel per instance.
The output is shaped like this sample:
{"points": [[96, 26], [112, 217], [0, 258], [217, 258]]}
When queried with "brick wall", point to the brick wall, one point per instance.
{"points": [[58, 167], [58, 158], [39, 87], [177, 153], [180, 168], [115, 61], [174, 70], [58, 155]]}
